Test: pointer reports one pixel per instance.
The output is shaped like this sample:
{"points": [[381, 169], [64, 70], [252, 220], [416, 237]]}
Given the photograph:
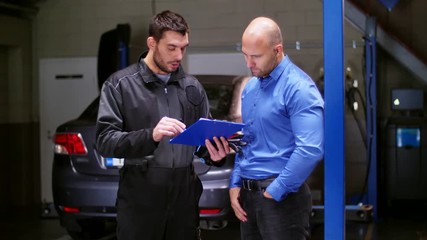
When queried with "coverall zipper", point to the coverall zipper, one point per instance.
{"points": [[167, 102]]}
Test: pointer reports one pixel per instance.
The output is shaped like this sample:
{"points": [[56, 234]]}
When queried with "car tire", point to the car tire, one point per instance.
{"points": [[90, 229]]}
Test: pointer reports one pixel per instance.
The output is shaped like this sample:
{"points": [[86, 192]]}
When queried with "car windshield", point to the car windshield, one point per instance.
{"points": [[91, 111]]}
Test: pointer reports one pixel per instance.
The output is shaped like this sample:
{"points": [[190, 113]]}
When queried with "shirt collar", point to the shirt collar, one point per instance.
{"points": [[277, 71]]}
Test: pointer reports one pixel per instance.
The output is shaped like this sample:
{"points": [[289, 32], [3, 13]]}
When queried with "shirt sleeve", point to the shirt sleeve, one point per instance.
{"points": [[235, 180], [307, 122]]}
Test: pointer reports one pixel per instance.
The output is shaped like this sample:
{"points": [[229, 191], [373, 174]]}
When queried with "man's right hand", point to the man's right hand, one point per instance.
{"points": [[235, 204], [220, 150], [167, 127]]}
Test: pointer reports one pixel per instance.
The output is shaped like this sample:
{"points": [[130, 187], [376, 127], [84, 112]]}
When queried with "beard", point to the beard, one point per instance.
{"points": [[257, 72], [161, 64]]}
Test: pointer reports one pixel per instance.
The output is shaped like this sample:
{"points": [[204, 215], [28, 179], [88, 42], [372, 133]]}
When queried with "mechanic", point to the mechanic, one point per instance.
{"points": [[141, 108]]}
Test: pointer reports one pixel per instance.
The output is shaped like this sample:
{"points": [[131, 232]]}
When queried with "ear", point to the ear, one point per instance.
{"points": [[278, 49], [151, 42]]}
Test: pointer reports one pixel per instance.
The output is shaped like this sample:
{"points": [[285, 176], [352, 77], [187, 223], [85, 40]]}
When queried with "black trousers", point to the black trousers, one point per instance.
{"points": [[271, 220], [158, 203]]}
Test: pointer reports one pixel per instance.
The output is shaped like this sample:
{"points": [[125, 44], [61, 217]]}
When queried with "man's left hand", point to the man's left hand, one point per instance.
{"points": [[267, 195]]}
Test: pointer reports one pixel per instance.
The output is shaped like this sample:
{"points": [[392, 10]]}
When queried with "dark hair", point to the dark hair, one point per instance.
{"points": [[167, 21]]}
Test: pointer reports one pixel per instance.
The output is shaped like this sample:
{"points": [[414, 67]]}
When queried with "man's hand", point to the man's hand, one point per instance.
{"points": [[167, 127], [235, 204], [267, 195], [220, 151]]}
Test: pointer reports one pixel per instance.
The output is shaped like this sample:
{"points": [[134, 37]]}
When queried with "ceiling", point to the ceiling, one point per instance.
{"points": [[19, 8]]}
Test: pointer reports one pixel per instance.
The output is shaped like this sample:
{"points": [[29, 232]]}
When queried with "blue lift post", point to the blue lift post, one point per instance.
{"points": [[123, 55], [371, 112], [333, 35]]}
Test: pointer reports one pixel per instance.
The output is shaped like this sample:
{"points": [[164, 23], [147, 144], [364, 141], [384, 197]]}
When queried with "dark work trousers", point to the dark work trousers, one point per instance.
{"points": [[158, 203], [271, 220]]}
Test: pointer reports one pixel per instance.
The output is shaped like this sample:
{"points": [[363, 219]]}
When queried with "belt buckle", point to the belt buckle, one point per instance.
{"points": [[247, 184]]}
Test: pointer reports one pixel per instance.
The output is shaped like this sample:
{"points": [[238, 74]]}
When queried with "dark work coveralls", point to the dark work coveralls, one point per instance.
{"points": [[158, 190]]}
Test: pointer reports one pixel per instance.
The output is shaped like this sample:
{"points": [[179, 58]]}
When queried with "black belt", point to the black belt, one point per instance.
{"points": [[256, 185]]}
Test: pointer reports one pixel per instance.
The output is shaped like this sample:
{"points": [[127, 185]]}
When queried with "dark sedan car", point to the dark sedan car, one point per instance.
{"points": [[85, 184]]}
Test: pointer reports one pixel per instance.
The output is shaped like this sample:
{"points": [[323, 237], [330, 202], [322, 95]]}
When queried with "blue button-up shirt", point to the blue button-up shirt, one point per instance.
{"points": [[284, 130]]}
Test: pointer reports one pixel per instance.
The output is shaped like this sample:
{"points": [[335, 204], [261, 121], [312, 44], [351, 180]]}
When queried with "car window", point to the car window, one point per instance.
{"points": [[219, 100], [91, 111], [224, 93]]}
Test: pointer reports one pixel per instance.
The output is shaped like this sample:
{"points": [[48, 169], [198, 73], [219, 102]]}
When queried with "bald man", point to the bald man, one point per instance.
{"points": [[283, 113]]}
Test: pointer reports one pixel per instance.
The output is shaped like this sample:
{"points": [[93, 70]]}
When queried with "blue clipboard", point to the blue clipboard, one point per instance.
{"points": [[203, 129]]}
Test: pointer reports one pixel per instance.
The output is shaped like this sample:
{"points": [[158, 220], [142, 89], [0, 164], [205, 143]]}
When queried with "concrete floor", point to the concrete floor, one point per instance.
{"points": [[29, 226]]}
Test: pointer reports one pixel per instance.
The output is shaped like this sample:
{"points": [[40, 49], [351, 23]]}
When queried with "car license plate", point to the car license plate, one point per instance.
{"points": [[114, 162]]}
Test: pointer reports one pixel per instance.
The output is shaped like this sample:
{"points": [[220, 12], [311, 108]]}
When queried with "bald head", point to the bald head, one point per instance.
{"points": [[264, 29], [262, 46]]}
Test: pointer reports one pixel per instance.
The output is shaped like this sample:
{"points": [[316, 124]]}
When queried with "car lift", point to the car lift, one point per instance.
{"points": [[335, 211]]}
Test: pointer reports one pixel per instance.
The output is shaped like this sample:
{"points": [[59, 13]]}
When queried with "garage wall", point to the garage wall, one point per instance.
{"points": [[78, 24], [16, 55], [73, 28], [19, 182], [4, 84]]}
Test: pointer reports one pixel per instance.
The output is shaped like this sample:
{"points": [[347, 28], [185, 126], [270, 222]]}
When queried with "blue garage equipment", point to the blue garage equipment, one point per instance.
{"points": [[334, 119]]}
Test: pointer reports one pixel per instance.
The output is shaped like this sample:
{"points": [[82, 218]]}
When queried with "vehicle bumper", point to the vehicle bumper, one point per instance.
{"points": [[94, 196]]}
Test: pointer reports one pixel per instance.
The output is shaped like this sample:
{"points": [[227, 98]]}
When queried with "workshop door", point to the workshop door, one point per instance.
{"points": [[67, 87]]}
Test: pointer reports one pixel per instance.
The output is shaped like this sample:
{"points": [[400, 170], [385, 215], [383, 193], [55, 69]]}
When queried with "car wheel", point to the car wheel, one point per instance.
{"points": [[90, 229]]}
